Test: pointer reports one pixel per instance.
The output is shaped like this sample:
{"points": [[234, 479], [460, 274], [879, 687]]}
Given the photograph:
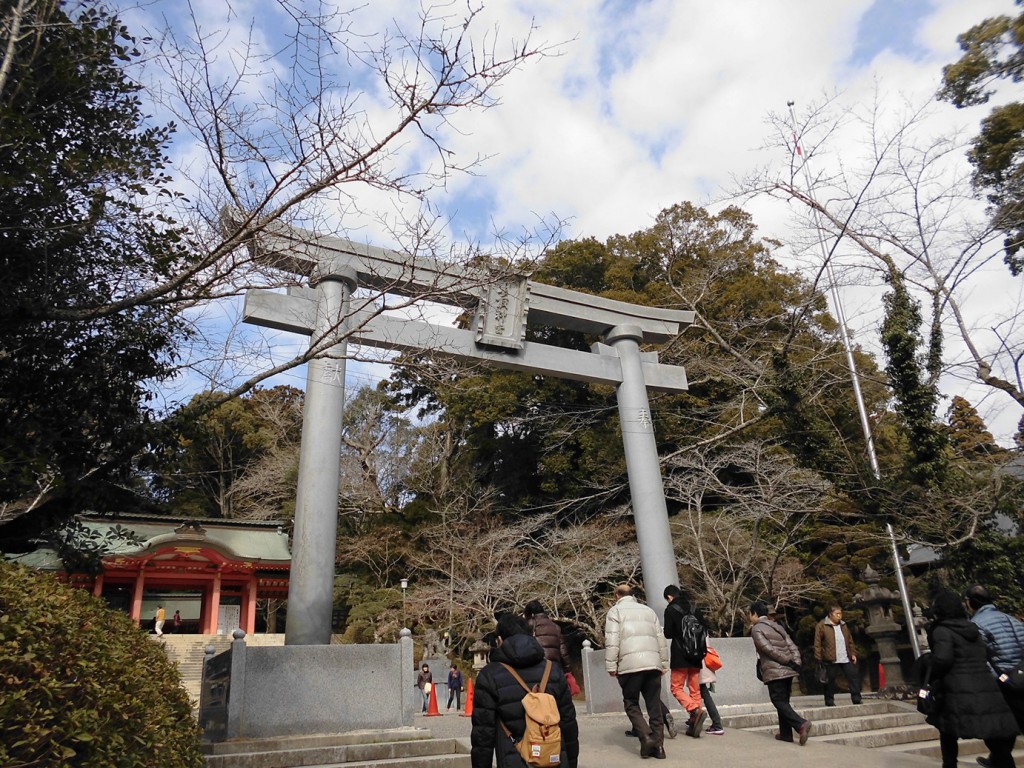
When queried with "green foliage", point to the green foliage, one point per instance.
{"points": [[209, 445], [82, 549], [79, 243], [994, 50], [967, 431], [916, 396], [83, 687], [994, 558]]}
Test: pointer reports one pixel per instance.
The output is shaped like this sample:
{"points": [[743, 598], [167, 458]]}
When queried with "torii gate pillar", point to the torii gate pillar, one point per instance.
{"points": [[311, 586], [650, 513]]}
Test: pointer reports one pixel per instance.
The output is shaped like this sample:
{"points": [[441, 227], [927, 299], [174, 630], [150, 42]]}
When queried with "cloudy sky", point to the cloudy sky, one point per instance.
{"points": [[648, 103]]}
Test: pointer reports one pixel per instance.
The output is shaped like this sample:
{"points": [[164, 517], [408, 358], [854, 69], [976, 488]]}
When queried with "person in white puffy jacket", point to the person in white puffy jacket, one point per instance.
{"points": [[636, 654]]}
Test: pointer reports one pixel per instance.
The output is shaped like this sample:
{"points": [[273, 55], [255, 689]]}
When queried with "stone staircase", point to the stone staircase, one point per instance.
{"points": [[882, 724], [188, 652], [393, 748]]}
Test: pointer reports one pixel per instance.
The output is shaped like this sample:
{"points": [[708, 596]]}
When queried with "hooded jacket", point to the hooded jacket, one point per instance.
{"points": [[633, 638], [549, 635], [676, 617], [498, 698], [972, 705], [776, 652]]}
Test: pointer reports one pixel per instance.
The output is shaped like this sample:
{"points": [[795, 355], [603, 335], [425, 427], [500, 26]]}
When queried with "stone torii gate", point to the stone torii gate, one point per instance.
{"points": [[502, 305]]}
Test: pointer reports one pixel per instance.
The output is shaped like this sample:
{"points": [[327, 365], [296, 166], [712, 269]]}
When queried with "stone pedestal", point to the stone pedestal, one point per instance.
{"points": [[877, 602]]}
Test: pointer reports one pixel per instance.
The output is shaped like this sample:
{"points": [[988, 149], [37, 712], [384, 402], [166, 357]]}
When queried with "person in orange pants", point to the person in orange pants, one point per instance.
{"points": [[688, 637]]}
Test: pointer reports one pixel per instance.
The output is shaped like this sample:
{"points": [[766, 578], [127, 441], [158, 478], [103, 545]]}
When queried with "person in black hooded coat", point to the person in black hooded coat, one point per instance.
{"points": [[498, 699], [972, 706]]}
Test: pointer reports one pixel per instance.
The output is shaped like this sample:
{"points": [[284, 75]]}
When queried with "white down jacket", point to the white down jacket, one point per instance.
{"points": [[633, 638]]}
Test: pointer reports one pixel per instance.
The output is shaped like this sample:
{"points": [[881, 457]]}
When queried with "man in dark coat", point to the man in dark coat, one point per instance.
{"points": [[972, 706], [548, 634], [498, 699]]}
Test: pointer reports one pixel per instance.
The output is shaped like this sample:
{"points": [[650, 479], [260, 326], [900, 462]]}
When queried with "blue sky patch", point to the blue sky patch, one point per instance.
{"points": [[890, 25]]}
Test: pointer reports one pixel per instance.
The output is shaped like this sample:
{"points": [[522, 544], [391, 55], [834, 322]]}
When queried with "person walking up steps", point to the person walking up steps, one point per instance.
{"points": [[778, 661], [688, 638]]}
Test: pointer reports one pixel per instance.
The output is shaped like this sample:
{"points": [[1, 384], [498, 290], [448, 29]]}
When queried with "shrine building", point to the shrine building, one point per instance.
{"points": [[211, 571]]}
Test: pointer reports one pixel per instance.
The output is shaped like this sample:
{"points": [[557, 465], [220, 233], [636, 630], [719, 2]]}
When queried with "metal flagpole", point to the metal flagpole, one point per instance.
{"points": [[855, 380]]}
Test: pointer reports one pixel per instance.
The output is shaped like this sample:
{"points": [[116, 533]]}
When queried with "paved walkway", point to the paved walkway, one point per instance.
{"points": [[604, 745]]}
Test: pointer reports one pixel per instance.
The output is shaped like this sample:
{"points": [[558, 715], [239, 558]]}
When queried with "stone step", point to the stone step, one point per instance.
{"points": [[968, 749], [348, 738], [408, 753], [879, 737], [856, 725], [755, 716], [435, 761]]}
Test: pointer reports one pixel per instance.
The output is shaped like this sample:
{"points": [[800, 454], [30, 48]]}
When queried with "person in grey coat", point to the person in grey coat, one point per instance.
{"points": [[779, 661], [972, 706]]}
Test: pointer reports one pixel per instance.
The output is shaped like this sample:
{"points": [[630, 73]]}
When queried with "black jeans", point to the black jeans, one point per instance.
{"points": [[849, 669], [455, 693], [1015, 701], [647, 684], [709, 705], [778, 693], [1000, 750]]}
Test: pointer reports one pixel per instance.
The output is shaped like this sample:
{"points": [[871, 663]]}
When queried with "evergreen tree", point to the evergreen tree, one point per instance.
{"points": [[994, 50], [79, 238]]}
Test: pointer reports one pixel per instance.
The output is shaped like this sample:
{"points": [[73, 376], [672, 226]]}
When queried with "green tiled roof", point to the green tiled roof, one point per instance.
{"points": [[261, 542]]}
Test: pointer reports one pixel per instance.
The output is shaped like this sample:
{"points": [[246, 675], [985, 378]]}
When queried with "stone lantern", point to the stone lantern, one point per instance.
{"points": [[877, 602], [481, 652]]}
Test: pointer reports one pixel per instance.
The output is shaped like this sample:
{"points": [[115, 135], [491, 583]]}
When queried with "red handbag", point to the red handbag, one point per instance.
{"points": [[712, 660]]}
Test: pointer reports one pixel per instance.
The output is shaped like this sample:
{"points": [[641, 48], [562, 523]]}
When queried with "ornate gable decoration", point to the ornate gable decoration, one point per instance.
{"points": [[190, 530]]}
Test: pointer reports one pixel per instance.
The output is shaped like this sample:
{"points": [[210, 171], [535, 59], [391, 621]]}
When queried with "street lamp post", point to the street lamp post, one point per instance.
{"points": [[405, 586]]}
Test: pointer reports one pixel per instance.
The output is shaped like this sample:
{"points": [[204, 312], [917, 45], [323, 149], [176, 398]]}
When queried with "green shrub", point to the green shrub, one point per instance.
{"points": [[81, 685]]}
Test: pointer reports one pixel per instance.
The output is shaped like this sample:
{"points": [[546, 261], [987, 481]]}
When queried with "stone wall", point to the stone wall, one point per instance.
{"points": [[303, 689], [737, 682]]}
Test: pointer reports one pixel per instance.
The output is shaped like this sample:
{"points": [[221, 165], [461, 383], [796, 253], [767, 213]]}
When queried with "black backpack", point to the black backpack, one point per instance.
{"points": [[692, 639]]}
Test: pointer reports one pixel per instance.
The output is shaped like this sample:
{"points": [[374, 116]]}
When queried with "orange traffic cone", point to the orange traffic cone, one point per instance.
{"points": [[468, 712], [432, 707]]}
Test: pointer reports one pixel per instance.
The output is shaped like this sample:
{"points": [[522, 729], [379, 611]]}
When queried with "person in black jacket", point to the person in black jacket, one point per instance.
{"points": [[972, 706], [680, 618], [499, 699]]}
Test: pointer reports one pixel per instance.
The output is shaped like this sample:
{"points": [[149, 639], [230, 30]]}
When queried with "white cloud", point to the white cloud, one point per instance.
{"points": [[653, 103]]}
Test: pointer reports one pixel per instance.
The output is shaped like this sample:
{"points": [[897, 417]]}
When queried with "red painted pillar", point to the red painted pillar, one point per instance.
{"points": [[97, 585], [213, 608], [140, 580], [248, 621]]}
